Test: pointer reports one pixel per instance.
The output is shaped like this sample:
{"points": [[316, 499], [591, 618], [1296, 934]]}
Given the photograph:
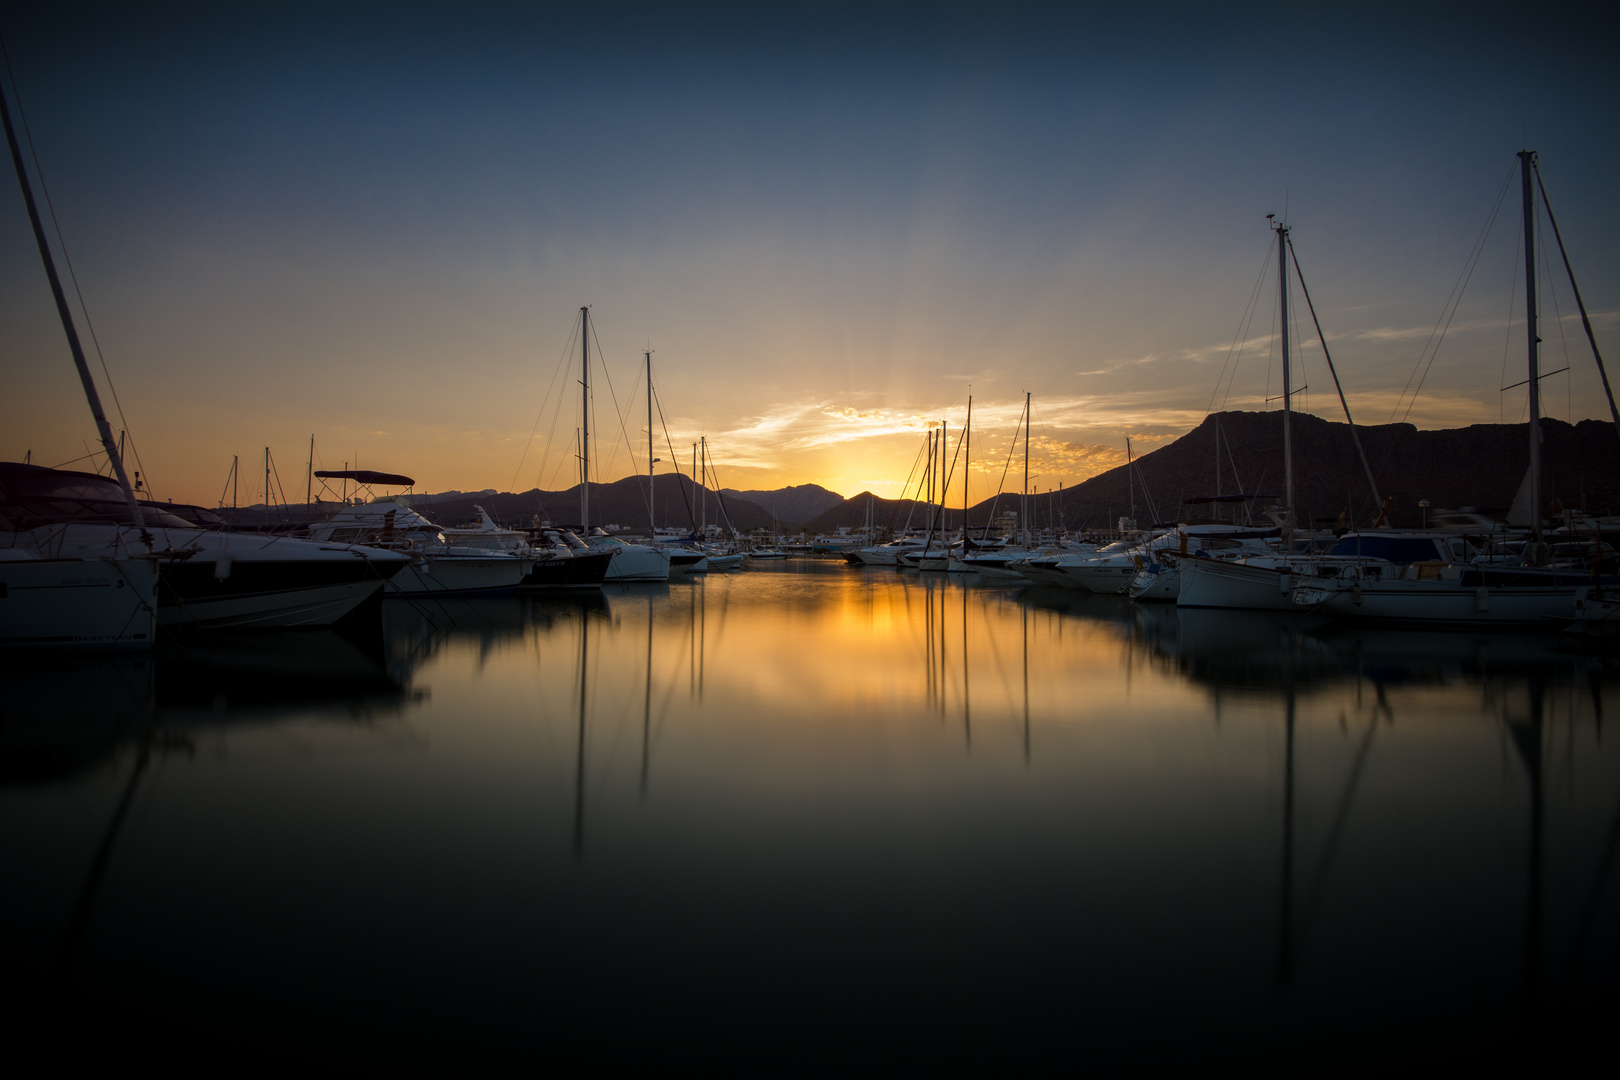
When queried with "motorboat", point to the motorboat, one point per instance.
{"points": [[1368, 579], [631, 562], [885, 554], [205, 579], [62, 528], [437, 566]]}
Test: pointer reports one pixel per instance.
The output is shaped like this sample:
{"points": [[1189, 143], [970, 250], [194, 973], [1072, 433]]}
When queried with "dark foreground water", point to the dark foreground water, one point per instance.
{"points": [[818, 817]]}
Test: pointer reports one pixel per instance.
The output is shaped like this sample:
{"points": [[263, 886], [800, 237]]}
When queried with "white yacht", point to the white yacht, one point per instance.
{"points": [[436, 566], [1369, 579], [887, 554], [206, 579]]}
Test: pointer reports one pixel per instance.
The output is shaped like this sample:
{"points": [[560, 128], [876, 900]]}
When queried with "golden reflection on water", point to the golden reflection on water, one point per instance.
{"points": [[774, 777]]}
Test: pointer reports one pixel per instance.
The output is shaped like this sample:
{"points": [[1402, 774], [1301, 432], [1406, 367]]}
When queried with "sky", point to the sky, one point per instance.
{"points": [[375, 224]]}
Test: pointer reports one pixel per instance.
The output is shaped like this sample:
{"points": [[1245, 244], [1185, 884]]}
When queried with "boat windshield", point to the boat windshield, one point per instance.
{"points": [[32, 496]]}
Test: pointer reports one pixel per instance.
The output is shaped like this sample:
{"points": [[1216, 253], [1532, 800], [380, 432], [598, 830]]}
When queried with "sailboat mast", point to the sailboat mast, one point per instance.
{"points": [[92, 398], [585, 423], [1526, 161], [929, 477], [1023, 511], [967, 436], [1130, 478], [1287, 391], [652, 516]]}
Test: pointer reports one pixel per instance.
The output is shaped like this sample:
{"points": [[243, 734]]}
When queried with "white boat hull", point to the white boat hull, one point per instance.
{"points": [[635, 562], [1165, 585], [449, 575], [1110, 579], [1209, 583], [239, 581], [1441, 601], [286, 609], [78, 603], [1048, 574], [1000, 569]]}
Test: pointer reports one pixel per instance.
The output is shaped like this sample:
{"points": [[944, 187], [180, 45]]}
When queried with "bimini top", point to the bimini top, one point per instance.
{"points": [[366, 476]]}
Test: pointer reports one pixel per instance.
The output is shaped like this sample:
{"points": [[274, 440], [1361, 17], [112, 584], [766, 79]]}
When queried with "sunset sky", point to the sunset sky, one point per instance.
{"points": [[376, 223]]}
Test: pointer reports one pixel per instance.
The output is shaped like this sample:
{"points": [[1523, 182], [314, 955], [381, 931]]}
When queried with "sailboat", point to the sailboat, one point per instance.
{"points": [[1537, 586], [935, 552], [106, 599], [1263, 583]]}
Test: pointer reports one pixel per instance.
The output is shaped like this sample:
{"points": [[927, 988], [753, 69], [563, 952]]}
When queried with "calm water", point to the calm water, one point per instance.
{"points": [[812, 815]]}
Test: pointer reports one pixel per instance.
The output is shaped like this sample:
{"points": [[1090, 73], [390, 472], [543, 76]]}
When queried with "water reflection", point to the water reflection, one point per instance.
{"points": [[813, 799]]}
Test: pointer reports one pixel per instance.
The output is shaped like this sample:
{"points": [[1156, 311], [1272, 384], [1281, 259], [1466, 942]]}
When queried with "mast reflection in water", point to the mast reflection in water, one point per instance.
{"points": [[814, 815]]}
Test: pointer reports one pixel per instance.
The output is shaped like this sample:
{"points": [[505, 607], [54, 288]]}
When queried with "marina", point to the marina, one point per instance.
{"points": [[810, 547]]}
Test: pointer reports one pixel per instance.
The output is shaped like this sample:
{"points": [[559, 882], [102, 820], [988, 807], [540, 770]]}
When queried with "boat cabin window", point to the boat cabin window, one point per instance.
{"points": [[1395, 549]]}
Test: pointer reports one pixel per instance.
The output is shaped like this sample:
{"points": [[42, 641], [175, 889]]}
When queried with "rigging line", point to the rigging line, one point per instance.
{"points": [[894, 511], [1579, 303], [624, 435], [1435, 352], [1271, 344], [1453, 302], [541, 414], [1004, 469], [1507, 333], [1354, 437], [1235, 347], [947, 485], [676, 461], [1246, 329], [276, 473], [1147, 496], [1299, 348], [1558, 312], [73, 277], [556, 412], [719, 495]]}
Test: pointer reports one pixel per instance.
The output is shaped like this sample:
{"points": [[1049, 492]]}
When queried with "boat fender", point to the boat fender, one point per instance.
{"points": [[1286, 581], [222, 567], [1482, 598], [1355, 593]]}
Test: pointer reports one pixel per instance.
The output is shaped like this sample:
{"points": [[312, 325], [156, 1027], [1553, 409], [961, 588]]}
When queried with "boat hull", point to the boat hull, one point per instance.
{"points": [[78, 603], [1107, 578], [584, 571], [1048, 573], [1442, 603], [1163, 585], [634, 562], [1209, 583], [459, 575]]}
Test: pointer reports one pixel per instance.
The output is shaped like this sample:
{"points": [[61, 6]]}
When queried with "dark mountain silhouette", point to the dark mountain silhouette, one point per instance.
{"points": [[678, 501], [794, 505], [1479, 466]]}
